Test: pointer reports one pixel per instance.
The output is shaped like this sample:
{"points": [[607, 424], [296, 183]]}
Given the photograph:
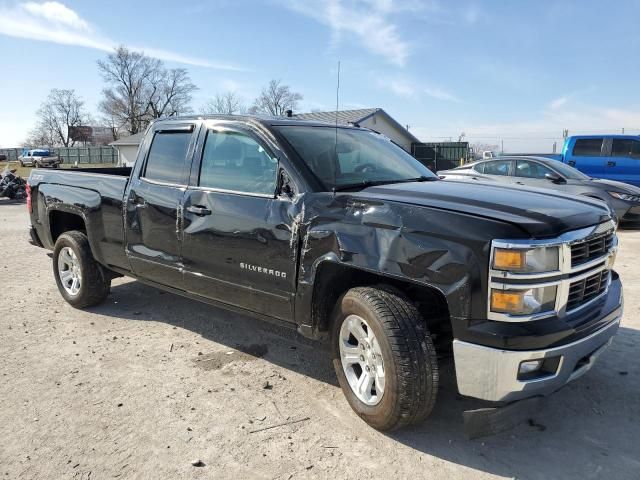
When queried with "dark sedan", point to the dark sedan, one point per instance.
{"points": [[547, 173]]}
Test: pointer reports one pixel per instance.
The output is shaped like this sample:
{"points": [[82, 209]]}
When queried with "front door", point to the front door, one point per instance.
{"points": [[624, 163], [530, 173], [154, 206], [239, 244]]}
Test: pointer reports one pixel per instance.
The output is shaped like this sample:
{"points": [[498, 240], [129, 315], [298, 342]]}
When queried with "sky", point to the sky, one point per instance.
{"points": [[512, 73]]}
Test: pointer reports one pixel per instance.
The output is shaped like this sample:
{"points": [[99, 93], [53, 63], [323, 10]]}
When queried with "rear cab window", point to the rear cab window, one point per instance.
{"points": [[588, 147], [167, 156]]}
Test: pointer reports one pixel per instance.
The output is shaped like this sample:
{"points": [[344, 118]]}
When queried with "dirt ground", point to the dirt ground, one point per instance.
{"points": [[149, 382]]}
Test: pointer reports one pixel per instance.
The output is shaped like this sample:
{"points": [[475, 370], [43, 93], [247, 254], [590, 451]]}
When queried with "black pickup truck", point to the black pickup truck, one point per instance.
{"points": [[338, 232]]}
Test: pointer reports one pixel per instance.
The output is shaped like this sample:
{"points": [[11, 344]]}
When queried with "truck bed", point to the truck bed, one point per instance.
{"points": [[95, 194]]}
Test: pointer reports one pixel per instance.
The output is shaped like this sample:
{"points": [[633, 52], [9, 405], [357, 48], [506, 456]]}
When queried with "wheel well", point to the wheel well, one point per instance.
{"points": [[61, 222], [333, 279]]}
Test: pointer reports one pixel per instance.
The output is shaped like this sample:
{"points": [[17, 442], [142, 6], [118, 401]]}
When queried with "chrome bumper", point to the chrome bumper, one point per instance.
{"points": [[492, 374]]}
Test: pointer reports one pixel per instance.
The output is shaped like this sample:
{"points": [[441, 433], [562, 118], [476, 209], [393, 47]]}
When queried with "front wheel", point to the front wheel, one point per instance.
{"points": [[81, 280], [384, 358]]}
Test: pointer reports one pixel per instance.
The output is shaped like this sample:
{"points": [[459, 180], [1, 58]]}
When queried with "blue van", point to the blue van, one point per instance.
{"points": [[612, 157]]}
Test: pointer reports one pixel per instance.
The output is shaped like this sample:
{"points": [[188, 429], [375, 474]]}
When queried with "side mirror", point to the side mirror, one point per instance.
{"points": [[285, 184], [554, 177]]}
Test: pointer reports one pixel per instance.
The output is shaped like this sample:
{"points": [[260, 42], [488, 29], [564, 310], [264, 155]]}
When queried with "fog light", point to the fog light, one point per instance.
{"points": [[530, 366]]}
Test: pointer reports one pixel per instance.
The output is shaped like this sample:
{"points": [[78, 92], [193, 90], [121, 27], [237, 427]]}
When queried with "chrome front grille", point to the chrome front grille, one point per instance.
{"points": [[584, 251], [585, 290]]}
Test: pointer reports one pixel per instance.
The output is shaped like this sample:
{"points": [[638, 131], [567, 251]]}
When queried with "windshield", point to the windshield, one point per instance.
{"points": [[358, 157], [568, 172]]}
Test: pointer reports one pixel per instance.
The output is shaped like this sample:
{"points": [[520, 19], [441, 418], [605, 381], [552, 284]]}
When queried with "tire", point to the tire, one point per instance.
{"points": [[21, 164], [94, 284], [36, 164], [408, 356]]}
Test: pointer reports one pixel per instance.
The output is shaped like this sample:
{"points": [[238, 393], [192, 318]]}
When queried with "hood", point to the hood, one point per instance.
{"points": [[541, 213], [617, 186]]}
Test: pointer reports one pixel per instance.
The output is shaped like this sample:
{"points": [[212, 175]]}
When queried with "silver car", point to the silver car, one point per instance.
{"points": [[541, 172]]}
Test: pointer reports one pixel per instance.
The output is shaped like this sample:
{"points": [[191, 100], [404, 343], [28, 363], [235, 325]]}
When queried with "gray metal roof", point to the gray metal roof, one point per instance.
{"points": [[355, 116], [344, 116], [135, 139]]}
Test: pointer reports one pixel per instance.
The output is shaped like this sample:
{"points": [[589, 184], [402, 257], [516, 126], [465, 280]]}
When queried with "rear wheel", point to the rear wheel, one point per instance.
{"points": [[81, 280], [384, 358]]}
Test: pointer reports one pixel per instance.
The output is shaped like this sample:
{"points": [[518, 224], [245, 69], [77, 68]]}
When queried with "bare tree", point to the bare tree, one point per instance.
{"points": [[225, 104], [170, 93], [276, 99], [140, 89], [62, 110]]}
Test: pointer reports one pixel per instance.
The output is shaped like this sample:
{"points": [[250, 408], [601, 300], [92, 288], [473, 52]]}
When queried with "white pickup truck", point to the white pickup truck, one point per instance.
{"points": [[39, 158]]}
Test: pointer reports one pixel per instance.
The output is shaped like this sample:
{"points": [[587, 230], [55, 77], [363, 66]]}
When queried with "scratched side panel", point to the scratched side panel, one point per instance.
{"points": [[243, 253], [153, 234]]}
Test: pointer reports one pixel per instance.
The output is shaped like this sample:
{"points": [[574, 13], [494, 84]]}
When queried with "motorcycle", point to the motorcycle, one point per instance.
{"points": [[12, 186]]}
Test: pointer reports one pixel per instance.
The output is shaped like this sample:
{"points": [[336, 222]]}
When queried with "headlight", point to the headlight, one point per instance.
{"points": [[532, 260], [523, 302], [625, 196]]}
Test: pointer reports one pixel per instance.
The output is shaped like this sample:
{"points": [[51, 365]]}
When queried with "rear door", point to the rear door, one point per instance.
{"points": [[623, 164], [154, 204], [239, 242], [587, 156]]}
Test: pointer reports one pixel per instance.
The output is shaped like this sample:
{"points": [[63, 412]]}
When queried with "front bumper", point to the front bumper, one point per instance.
{"points": [[492, 374], [630, 215]]}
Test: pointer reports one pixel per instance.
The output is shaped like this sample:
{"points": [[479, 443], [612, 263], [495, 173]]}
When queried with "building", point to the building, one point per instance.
{"points": [[374, 118], [128, 149]]}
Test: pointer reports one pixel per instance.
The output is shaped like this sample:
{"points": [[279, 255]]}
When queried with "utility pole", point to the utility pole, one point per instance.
{"points": [[554, 147], [623, 130], [502, 146]]}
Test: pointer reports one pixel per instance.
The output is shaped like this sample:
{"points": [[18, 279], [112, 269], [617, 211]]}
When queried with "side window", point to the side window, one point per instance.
{"points": [[587, 147], [479, 168], [625, 147], [167, 156], [236, 162], [498, 167], [527, 169]]}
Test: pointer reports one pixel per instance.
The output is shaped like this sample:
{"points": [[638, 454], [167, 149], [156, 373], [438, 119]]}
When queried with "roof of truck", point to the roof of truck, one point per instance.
{"points": [[263, 119]]}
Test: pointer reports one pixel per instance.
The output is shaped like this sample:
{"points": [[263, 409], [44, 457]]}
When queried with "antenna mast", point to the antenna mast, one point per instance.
{"points": [[335, 159]]}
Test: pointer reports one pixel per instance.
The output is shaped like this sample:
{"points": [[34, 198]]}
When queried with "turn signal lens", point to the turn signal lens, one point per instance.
{"points": [[524, 302], [507, 302], [509, 259]]}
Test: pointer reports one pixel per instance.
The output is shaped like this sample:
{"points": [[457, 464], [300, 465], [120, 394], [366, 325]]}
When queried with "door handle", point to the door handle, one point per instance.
{"points": [[611, 163], [571, 163], [520, 183], [199, 210], [137, 201]]}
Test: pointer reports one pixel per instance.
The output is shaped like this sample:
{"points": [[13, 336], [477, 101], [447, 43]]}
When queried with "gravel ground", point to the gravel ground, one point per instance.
{"points": [[149, 382]]}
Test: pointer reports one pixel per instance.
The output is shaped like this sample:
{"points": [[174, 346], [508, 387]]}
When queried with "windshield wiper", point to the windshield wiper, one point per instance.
{"points": [[373, 183]]}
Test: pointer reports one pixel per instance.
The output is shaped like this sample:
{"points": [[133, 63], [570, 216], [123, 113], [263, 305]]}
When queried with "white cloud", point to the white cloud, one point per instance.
{"points": [[558, 102], [407, 88], [56, 23], [368, 20], [57, 13], [440, 94]]}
